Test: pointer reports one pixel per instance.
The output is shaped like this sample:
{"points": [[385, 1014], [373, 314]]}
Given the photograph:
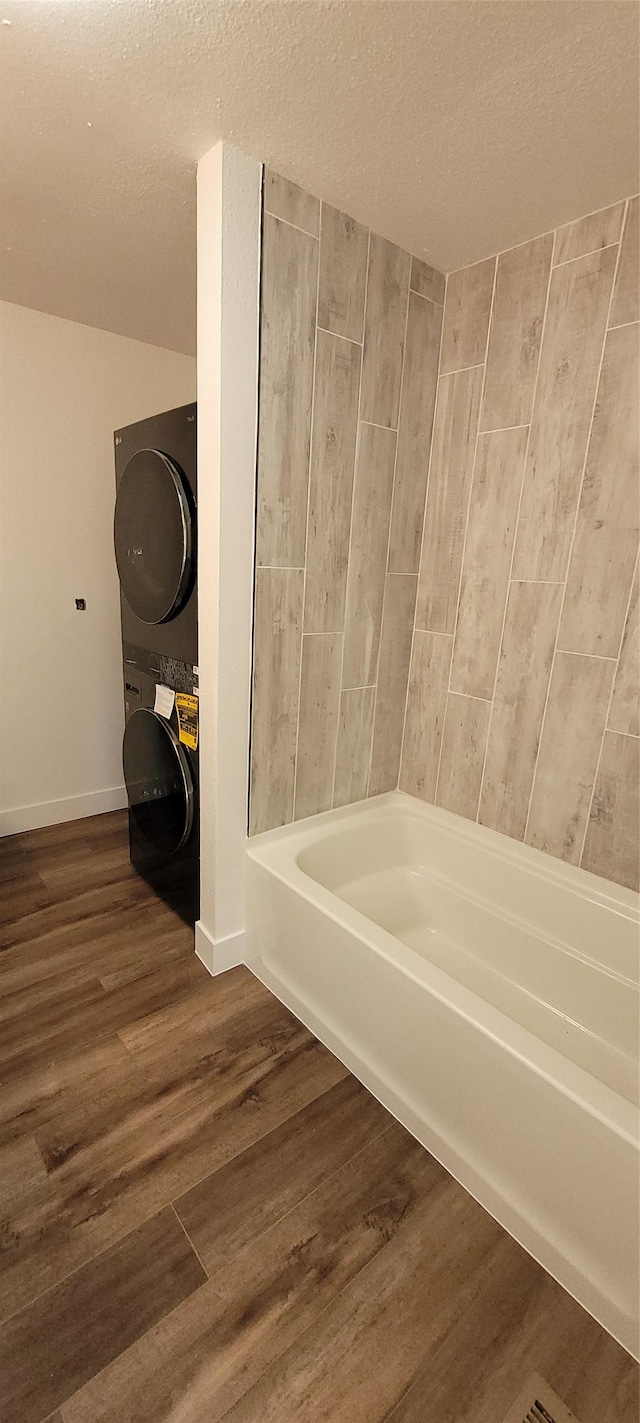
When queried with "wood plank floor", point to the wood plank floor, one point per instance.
{"points": [[206, 1217]]}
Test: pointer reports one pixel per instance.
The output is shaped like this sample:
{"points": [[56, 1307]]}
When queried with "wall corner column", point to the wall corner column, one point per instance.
{"points": [[229, 219]]}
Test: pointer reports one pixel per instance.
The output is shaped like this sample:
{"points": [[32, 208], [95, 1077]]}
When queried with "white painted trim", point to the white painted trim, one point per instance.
{"points": [[229, 232], [55, 812], [218, 955]]}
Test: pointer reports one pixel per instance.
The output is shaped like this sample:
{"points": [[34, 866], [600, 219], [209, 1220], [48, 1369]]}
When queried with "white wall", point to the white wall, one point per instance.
{"points": [[229, 211], [64, 388]]}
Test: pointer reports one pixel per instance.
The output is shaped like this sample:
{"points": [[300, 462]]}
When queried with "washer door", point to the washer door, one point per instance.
{"points": [[154, 536], [159, 783]]}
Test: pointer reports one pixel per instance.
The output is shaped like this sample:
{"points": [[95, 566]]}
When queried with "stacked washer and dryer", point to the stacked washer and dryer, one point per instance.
{"points": [[155, 545]]}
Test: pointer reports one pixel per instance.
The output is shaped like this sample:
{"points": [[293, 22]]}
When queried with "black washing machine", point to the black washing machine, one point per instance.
{"points": [[161, 777], [155, 533], [155, 545]]}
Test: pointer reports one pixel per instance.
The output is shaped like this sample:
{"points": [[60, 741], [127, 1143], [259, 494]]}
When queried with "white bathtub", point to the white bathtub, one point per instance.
{"points": [[488, 996]]}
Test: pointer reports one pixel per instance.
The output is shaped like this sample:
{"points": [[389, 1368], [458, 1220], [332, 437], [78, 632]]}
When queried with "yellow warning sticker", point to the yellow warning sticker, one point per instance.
{"points": [[187, 709]]}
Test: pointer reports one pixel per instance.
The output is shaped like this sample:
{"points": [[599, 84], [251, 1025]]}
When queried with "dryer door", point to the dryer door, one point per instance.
{"points": [[154, 536], [159, 782]]}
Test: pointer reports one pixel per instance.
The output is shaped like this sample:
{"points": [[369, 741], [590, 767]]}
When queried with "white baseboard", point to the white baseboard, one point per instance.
{"points": [[218, 955], [54, 812]]}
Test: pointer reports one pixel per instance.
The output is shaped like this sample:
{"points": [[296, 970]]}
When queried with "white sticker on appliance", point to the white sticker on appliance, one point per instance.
{"points": [[164, 701]]}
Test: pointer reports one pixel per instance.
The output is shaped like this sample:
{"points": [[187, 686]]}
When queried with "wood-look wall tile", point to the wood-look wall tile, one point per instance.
{"points": [[451, 469], [626, 297], [419, 383], [606, 538], [613, 832], [466, 316], [426, 706], [497, 480], [568, 757], [579, 297], [276, 676], [286, 200], [317, 723], [464, 743], [288, 328], [624, 714], [427, 281], [343, 273], [588, 234], [55, 1345], [353, 753], [393, 675], [522, 280], [531, 623], [368, 553], [333, 449], [384, 324]]}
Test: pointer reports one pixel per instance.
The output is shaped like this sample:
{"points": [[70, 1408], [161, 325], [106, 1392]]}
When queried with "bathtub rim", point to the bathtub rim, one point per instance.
{"points": [[272, 850]]}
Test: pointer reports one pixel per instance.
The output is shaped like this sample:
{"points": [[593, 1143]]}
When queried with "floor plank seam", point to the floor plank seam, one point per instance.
{"points": [[91, 1260], [190, 1242], [436, 1189], [272, 1224]]}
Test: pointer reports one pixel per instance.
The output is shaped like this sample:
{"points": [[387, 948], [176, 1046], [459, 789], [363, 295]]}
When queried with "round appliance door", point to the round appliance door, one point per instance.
{"points": [[154, 536], [159, 783]]}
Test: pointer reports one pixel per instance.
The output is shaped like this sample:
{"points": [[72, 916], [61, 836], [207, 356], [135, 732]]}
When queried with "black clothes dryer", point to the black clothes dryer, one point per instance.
{"points": [[155, 548], [155, 533], [161, 777]]}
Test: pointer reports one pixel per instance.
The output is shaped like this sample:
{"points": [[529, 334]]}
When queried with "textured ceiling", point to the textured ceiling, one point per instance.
{"points": [[455, 128]]}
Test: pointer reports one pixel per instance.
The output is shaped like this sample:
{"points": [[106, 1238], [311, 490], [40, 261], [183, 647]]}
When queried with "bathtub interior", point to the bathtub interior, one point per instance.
{"points": [[559, 959]]}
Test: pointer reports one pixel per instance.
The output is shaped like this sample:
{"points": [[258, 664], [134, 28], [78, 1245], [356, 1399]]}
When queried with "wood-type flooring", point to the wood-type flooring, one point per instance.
{"points": [[206, 1217]]}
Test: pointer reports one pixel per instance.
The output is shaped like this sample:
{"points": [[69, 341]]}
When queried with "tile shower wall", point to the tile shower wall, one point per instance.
{"points": [[522, 706], [350, 341]]}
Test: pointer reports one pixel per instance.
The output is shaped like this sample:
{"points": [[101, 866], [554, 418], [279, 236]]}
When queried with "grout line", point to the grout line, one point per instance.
{"points": [[333, 632], [294, 225], [393, 428], [424, 296], [621, 325], [550, 582], [598, 656], [459, 369], [608, 713], [500, 429], [353, 497], [471, 697], [424, 525], [552, 230], [597, 770], [339, 337], [364, 687], [511, 580], [183, 1227], [280, 568], [485, 365], [592, 250], [306, 537], [431, 632], [631, 735], [570, 555], [386, 562]]}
